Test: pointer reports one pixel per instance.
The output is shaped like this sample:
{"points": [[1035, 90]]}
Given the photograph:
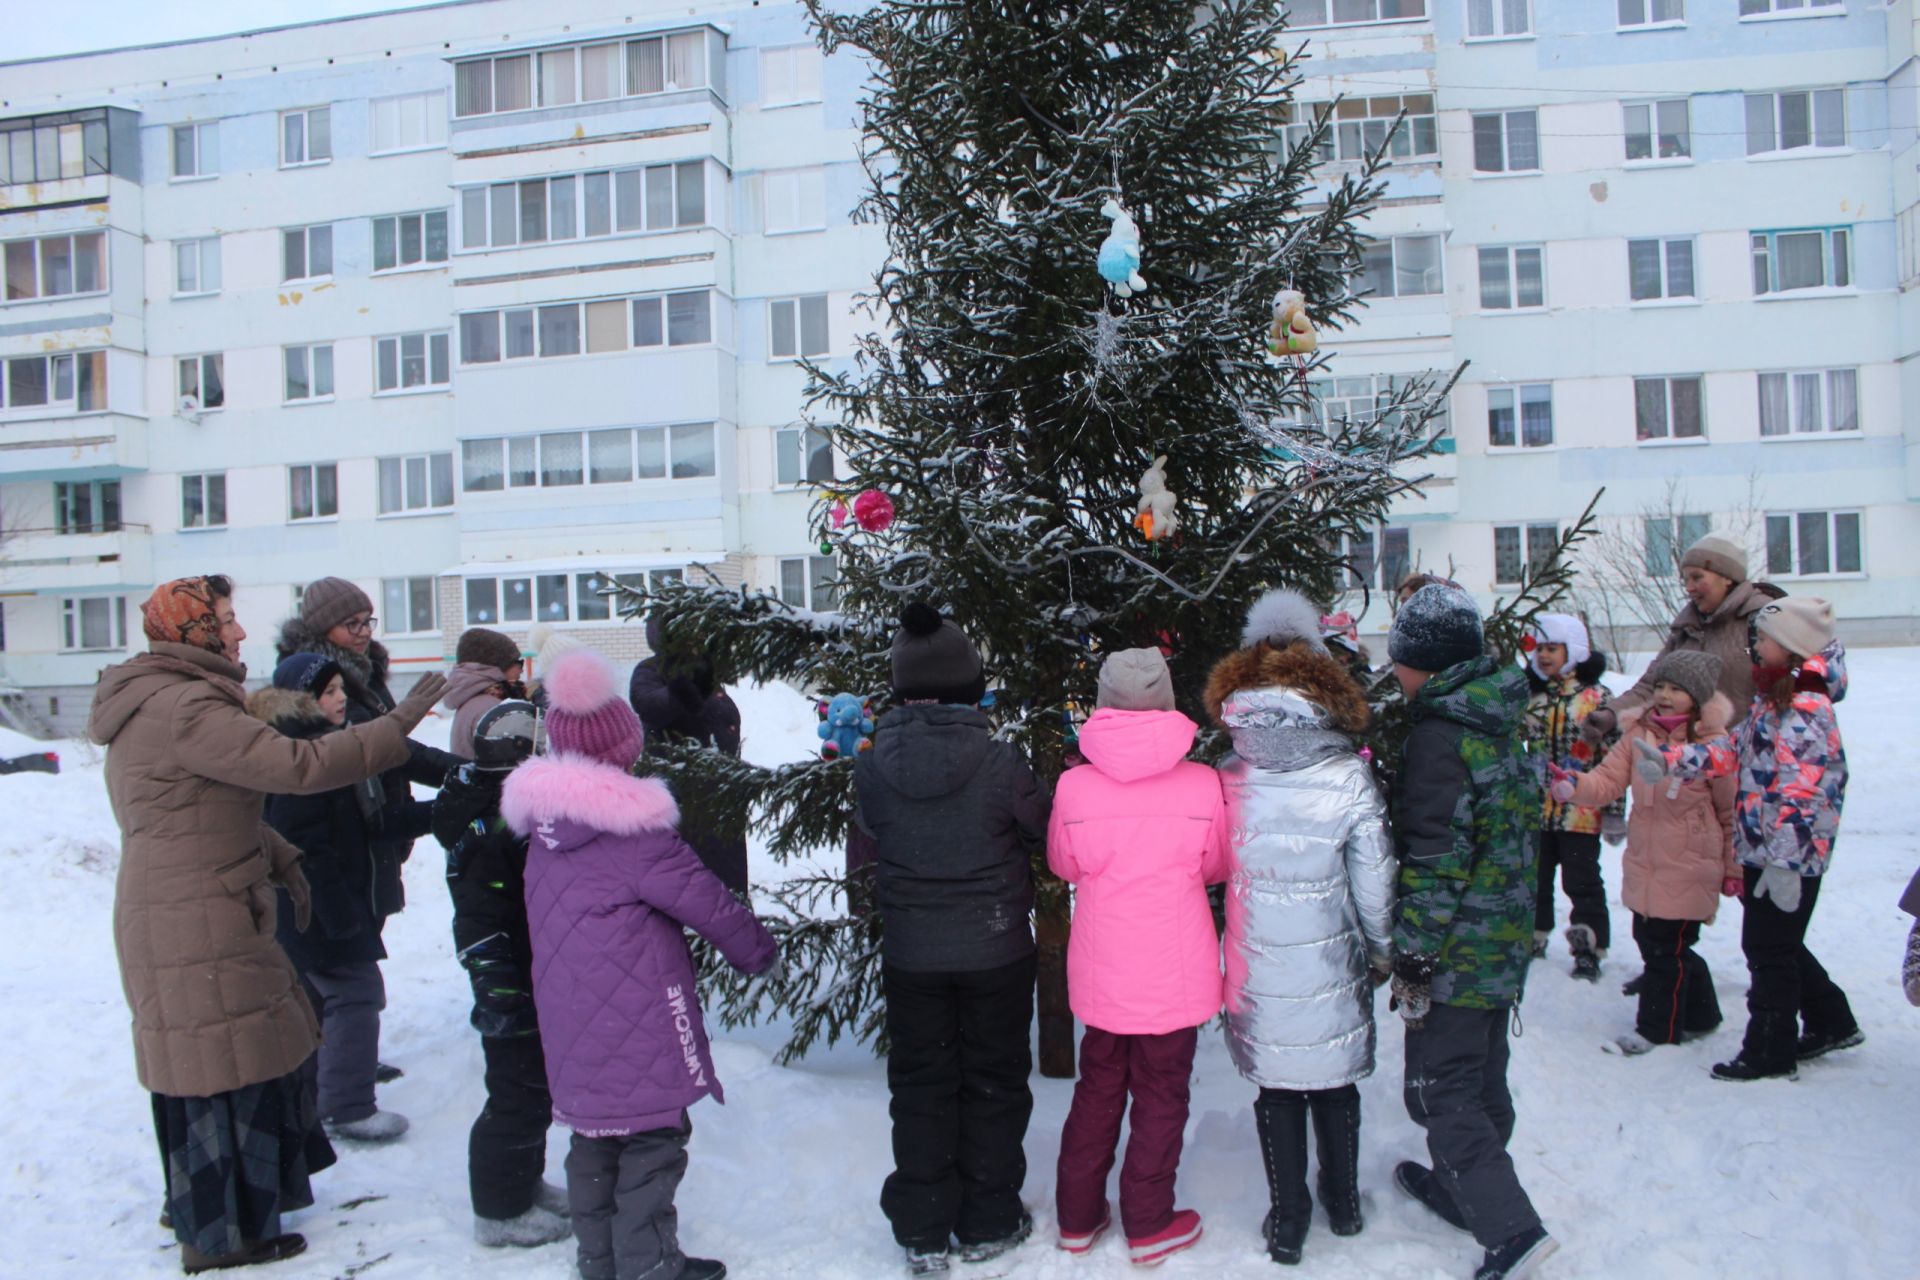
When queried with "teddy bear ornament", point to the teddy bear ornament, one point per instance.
{"points": [[1292, 333]]}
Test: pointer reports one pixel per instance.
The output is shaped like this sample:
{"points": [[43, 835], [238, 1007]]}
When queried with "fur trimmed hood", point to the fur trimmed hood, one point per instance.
{"points": [[1314, 674], [362, 672], [292, 712], [1715, 718], [588, 794]]}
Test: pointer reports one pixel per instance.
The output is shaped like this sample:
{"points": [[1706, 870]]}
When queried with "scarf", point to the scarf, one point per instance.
{"points": [[181, 612]]}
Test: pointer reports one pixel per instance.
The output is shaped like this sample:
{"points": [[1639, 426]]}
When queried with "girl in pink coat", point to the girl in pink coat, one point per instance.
{"points": [[1140, 832]]}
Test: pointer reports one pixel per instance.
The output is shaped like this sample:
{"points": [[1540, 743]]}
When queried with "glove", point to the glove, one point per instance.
{"points": [[427, 690], [1561, 787], [1613, 829], [1598, 726], [1651, 765], [1782, 885], [1733, 887]]}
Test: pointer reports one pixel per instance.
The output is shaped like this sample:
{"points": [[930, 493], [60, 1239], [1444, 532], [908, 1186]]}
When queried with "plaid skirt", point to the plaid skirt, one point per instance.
{"points": [[236, 1161]]}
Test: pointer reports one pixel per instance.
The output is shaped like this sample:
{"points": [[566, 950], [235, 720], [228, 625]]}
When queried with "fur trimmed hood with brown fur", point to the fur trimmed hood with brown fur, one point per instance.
{"points": [[1322, 679], [1715, 718]]}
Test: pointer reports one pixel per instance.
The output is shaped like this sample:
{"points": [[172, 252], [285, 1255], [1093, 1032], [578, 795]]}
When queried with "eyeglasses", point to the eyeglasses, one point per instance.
{"points": [[364, 627]]}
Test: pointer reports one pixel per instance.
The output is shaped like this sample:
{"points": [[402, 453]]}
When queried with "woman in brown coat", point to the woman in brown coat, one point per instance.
{"points": [[220, 1028], [1720, 600]]}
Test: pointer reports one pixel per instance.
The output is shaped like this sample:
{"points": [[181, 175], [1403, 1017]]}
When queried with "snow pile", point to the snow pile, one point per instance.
{"points": [[1641, 1167]]}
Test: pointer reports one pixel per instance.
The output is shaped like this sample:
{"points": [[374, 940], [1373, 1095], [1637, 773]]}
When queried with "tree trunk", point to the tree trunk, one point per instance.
{"points": [[1051, 925]]}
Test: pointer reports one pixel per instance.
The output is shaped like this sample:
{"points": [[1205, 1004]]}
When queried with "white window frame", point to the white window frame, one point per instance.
{"points": [[314, 357], [424, 232], [435, 347], [431, 115], [798, 195], [302, 124], [796, 310], [318, 233], [1363, 398], [205, 136], [1793, 385], [1836, 259], [790, 76], [205, 252], [73, 625], [672, 312], [668, 56], [1357, 127], [313, 470], [34, 250], [1323, 16], [1510, 256], [626, 190], [1528, 534], [402, 470], [1776, 99], [1650, 127], [801, 444], [1790, 10], [1519, 395], [101, 496], [1795, 526], [190, 378], [410, 592], [1664, 251], [75, 382], [1649, 11], [1495, 21], [1507, 166], [1669, 423], [207, 483], [816, 580], [652, 457], [1396, 242], [1660, 554]]}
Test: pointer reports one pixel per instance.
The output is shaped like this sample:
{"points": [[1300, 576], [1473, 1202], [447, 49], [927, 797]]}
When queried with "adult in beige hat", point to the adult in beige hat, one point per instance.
{"points": [[1720, 600]]}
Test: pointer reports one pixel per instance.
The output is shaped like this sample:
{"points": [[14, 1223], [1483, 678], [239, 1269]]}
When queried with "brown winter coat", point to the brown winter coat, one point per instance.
{"points": [[216, 1005], [1722, 633], [1678, 850]]}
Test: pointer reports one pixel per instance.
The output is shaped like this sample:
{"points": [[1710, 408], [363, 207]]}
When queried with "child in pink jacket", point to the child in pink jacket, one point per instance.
{"points": [[1140, 832]]}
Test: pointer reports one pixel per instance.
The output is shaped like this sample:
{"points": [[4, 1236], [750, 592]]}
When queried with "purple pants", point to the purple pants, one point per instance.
{"points": [[1156, 1070]]}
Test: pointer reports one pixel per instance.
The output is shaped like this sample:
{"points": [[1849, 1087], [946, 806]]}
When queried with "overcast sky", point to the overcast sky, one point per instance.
{"points": [[41, 30]]}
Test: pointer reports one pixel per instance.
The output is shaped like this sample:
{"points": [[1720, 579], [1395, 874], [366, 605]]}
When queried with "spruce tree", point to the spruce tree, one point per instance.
{"points": [[1010, 401]]}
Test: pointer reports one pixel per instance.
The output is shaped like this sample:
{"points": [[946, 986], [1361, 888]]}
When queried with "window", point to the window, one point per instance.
{"points": [[196, 150], [796, 200], [1506, 142], [86, 506], [409, 122], [560, 459], [1512, 278], [306, 137], [589, 604], [203, 378], [1791, 121], [1365, 399], [36, 385], [657, 197], [1356, 552], [1815, 259], [1806, 543], [309, 372], [1794, 8], [196, 265], [422, 482], [802, 455], [675, 319], [1520, 416], [411, 361], [798, 327], [47, 148], [1396, 557], [1497, 19], [1668, 408], [1667, 536], [678, 319], [203, 501], [1402, 267], [1651, 13], [306, 253], [666, 64], [580, 73], [790, 75], [809, 582], [1341, 13], [313, 491], [599, 72], [1659, 269], [1806, 403], [1509, 566], [1659, 130], [1359, 127], [94, 622], [409, 239], [408, 606], [56, 266]]}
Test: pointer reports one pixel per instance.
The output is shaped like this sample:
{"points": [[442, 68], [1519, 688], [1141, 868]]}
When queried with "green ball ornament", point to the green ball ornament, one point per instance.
{"points": [[826, 547]]}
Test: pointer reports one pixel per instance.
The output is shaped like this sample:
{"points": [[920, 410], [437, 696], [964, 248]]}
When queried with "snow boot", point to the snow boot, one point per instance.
{"points": [[1282, 1120], [1423, 1185], [1586, 952], [1743, 1068], [1630, 1045], [386, 1073], [702, 1269], [535, 1227], [1518, 1257], [1083, 1241], [1817, 1044], [272, 1249], [381, 1126], [983, 1250], [1181, 1232], [1336, 1136], [926, 1262], [553, 1199]]}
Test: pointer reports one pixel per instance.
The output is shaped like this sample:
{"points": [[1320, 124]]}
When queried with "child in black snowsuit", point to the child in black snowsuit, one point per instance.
{"points": [[486, 878]]}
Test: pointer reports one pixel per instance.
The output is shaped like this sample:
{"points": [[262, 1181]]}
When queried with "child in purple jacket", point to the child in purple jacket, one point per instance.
{"points": [[611, 889]]}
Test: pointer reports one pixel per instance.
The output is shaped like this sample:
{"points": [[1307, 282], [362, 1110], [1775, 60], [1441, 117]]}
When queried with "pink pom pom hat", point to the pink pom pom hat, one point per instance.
{"points": [[587, 715]]}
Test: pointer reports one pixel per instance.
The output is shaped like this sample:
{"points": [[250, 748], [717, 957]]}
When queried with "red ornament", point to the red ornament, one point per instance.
{"points": [[873, 511], [1529, 642], [838, 516]]}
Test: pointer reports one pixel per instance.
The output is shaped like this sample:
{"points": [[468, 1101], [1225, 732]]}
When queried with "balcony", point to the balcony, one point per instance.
{"points": [[72, 447], [48, 561]]}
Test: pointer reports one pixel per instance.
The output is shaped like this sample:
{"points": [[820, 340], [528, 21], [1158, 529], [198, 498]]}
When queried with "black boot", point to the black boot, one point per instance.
{"points": [[1336, 1135], [1767, 1052], [1281, 1115]]}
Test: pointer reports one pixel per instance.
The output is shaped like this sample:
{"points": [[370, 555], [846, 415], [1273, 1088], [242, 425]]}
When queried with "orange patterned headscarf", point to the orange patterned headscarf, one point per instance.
{"points": [[181, 612]]}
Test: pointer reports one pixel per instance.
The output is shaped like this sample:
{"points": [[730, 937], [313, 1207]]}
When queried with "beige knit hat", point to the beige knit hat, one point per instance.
{"points": [[1135, 680], [1718, 555], [547, 644], [1802, 625]]}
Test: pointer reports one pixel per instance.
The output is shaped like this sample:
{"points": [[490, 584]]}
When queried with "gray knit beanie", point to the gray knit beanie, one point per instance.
{"points": [[1718, 555], [1438, 627], [1135, 680], [933, 659], [1693, 670], [327, 603], [1802, 625]]}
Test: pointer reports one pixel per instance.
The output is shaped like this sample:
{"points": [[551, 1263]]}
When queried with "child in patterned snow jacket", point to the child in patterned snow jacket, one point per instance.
{"points": [[1570, 725], [1910, 968]]}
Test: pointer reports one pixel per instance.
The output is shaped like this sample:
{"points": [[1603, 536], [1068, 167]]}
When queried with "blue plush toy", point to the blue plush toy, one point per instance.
{"points": [[845, 725]]}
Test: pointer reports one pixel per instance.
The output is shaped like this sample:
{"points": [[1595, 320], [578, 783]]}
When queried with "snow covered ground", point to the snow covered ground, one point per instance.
{"points": [[1642, 1167]]}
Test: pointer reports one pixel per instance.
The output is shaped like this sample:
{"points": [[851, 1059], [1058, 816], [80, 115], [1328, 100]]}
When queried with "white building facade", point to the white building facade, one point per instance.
{"points": [[482, 303]]}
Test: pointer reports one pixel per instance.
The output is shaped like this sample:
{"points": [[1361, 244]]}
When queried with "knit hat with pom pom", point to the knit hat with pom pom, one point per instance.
{"points": [[586, 713], [546, 644], [1283, 618], [933, 660]]}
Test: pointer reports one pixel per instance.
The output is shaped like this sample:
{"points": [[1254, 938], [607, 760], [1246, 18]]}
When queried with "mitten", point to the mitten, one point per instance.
{"points": [[1600, 722], [1413, 988], [1613, 828], [1651, 765], [1733, 887], [1561, 788], [1782, 885], [1910, 971]]}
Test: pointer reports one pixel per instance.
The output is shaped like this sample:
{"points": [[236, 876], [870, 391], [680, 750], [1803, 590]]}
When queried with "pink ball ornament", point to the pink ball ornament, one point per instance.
{"points": [[873, 511]]}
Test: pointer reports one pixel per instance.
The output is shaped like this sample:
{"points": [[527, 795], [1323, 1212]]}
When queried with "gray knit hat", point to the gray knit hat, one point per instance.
{"points": [[327, 603], [932, 658], [1718, 555], [1135, 680], [1693, 670], [1438, 627], [1802, 625]]}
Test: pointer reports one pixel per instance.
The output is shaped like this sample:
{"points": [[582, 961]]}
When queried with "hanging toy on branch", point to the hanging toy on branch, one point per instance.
{"points": [[1156, 518], [1292, 333], [873, 511], [846, 726], [1119, 258]]}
